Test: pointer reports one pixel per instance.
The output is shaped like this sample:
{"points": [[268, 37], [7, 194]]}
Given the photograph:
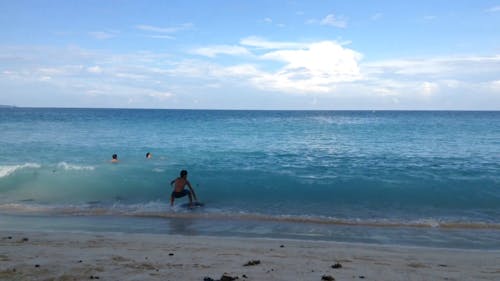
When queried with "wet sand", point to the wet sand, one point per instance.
{"points": [[116, 256]]}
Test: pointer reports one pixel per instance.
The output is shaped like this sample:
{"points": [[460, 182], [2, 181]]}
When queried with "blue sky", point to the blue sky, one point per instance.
{"points": [[251, 54]]}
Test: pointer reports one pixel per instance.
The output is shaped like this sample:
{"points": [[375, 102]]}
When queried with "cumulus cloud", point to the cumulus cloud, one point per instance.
{"points": [[318, 69], [305, 67], [318, 66]]}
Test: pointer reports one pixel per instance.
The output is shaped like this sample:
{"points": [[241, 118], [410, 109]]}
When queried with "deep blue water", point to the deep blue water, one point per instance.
{"points": [[430, 169]]}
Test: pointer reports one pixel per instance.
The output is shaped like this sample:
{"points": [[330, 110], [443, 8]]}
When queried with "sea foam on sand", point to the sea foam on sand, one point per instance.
{"points": [[117, 256]]}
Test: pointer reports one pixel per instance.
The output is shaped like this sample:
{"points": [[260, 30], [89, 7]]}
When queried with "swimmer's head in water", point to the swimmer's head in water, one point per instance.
{"points": [[115, 156], [148, 155], [184, 173]]}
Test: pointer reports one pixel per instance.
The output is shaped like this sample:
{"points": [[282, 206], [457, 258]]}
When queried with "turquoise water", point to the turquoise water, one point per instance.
{"points": [[430, 170]]}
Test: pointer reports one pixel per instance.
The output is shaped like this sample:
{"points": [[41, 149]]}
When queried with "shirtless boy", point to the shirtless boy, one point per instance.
{"points": [[179, 189]]}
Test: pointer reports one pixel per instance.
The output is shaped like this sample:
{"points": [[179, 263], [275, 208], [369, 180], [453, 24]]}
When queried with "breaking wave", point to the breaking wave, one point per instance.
{"points": [[8, 170]]}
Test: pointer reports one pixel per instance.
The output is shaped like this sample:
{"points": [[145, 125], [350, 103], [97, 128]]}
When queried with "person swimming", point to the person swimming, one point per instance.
{"points": [[114, 158], [149, 155]]}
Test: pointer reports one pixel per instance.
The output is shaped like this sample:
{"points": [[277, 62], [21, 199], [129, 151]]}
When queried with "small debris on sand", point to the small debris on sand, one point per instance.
{"points": [[226, 277], [337, 265], [327, 278], [252, 262]]}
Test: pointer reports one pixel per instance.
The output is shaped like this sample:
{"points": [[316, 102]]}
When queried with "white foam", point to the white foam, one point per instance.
{"points": [[27, 208], [67, 167], [428, 222], [10, 169], [337, 120]]}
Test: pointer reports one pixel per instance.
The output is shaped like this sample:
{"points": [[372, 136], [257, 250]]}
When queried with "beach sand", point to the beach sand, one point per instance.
{"points": [[117, 256]]}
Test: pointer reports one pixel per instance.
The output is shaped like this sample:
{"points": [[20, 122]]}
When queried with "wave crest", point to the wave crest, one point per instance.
{"points": [[68, 167], [10, 169]]}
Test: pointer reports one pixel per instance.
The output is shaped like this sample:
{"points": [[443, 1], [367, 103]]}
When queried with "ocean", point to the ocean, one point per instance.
{"points": [[422, 178]]}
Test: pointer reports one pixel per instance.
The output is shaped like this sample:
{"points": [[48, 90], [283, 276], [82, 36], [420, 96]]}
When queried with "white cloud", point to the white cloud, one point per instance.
{"points": [[94, 92], [322, 69], [306, 68], [242, 70], [213, 51], [493, 9], [336, 21], [131, 76], [160, 95], [257, 42], [429, 88], [324, 62], [163, 36], [452, 84], [445, 67], [268, 20], [495, 85], [171, 29], [94, 69], [51, 71], [157, 32], [9, 73], [102, 35], [384, 91]]}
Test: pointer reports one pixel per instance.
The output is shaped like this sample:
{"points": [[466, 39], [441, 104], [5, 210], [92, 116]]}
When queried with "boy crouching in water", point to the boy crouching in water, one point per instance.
{"points": [[179, 189]]}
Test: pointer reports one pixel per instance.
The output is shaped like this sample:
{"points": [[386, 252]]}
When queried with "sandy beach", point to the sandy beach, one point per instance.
{"points": [[116, 256]]}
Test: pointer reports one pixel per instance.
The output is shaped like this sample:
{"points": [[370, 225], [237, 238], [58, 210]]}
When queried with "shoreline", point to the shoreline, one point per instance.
{"points": [[60, 255], [200, 225]]}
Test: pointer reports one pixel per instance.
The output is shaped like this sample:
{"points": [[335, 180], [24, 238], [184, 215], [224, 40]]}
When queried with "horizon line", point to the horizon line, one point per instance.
{"points": [[238, 109]]}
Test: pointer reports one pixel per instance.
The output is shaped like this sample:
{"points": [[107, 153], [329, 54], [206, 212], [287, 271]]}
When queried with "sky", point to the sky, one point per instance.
{"points": [[234, 54]]}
